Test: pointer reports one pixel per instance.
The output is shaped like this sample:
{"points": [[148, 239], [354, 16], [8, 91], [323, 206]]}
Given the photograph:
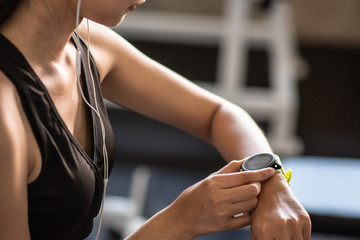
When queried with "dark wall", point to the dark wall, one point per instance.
{"points": [[329, 120]]}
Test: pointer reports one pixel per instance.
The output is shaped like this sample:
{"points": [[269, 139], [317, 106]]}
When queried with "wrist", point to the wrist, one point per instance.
{"points": [[276, 183], [280, 178], [175, 224]]}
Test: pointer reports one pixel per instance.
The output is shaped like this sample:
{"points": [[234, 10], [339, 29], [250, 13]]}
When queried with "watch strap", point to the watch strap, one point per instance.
{"points": [[287, 173]]}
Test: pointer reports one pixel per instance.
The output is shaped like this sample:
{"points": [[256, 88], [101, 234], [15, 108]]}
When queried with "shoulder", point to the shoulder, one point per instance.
{"points": [[107, 47], [11, 119], [9, 102], [13, 165], [101, 36], [16, 140]]}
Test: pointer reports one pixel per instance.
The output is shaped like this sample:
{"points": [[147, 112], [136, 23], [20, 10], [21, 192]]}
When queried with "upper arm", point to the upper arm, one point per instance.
{"points": [[145, 86], [13, 166]]}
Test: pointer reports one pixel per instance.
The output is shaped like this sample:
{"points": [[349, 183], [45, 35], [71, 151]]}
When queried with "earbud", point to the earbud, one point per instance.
{"points": [[78, 63]]}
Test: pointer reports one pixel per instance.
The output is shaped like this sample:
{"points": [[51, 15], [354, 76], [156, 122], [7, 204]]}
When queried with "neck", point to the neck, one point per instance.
{"points": [[41, 29]]}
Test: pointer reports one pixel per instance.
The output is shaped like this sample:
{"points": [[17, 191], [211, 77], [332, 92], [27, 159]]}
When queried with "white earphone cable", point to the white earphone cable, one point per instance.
{"points": [[95, 109]]}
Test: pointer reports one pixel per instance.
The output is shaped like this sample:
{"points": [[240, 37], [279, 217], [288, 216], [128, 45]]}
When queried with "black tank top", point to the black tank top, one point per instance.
{"points": [[66, 196]]}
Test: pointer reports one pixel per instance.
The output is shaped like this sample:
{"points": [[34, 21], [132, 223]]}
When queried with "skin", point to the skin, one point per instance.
{"points": [[41, 30]]}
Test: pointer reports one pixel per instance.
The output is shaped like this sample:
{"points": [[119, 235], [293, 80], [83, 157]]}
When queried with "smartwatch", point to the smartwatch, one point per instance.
{"points": [[265, 160]]}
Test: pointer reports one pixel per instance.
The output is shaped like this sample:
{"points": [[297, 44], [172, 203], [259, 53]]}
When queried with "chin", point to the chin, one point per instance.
{"points": [[112, 22]]}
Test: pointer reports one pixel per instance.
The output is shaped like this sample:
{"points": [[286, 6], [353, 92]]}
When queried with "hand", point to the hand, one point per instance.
{"points": [[279, 215], [211, 204]]}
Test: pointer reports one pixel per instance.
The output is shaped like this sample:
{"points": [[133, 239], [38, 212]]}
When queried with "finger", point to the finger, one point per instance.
{"points": [[231, 180], [295, 228], [231, 167], [243, 207], [297, 237], [283, 234], [292, 231], [255, 236], [243, 192], [238, 222], [283, 231], [295, 231], [307, 231], [266, 233]]}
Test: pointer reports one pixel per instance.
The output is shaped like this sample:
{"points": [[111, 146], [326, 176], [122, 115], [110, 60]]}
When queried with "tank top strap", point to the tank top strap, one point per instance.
{"points": [[95, 97], [14, 65]]}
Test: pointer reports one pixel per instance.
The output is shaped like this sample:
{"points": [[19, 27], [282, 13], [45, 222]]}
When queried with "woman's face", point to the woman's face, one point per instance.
{"points": [[108, 12]]}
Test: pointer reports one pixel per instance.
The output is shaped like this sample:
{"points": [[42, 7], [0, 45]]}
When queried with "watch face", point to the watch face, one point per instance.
{"points": [[258, 161]]}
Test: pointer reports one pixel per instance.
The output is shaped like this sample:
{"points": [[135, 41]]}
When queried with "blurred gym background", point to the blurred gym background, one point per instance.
{"points": [[292, 64]]}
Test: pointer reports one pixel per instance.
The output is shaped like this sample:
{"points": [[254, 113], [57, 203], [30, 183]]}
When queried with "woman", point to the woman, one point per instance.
{"points": [[51, 166]]}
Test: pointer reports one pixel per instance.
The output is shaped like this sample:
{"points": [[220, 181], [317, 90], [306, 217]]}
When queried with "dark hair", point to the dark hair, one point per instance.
{"points": [[7, 7]]}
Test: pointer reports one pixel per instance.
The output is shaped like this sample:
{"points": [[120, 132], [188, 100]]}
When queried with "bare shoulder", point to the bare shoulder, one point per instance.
{"points": [[101, 36], [106, 46], [13, 127], [17, 136], [9, 107], [13, 165]]}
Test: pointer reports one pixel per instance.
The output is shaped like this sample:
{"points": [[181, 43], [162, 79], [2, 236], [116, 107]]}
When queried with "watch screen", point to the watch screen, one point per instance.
{"points": [[258, 162]]}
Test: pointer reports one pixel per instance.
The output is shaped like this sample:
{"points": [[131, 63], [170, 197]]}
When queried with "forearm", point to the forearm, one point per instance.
{"points": [[235, 134], [165, 225]]}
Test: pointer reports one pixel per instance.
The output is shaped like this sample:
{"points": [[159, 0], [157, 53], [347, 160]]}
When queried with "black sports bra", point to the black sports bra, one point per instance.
{"points": [[66, 196]]}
